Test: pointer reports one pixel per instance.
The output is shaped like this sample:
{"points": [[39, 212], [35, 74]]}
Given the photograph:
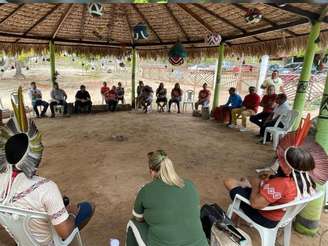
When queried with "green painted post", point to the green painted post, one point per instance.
{"points": [[306, 71], [322, 127], [52, 62], [133, 90], [218, 77]]}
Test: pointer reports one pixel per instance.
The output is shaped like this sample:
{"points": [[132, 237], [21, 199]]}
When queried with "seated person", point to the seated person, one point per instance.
{"points": [[104, 89], [111, 99], [83, 100], [249, 107], [58, 97], [204, 97], [281, 108], [274, 80], [146, 98], [280, 188], [176, 97], [36, 99], [139, 92], [161, 97], [268, 103], [21, 187], [120, 93], [159, 204], [223, 113]]}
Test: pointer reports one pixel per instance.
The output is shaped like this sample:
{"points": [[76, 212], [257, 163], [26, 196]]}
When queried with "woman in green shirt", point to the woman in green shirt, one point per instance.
{"points": [[167, 210]]}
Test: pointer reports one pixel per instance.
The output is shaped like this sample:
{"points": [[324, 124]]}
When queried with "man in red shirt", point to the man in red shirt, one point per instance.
{"points": [[203, 97], [103, 91], [249, 107], [268, 104], [111, 98]]}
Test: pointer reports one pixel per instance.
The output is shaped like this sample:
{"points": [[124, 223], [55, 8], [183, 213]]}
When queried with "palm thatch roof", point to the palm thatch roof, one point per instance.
{"points": [[282, 29]]}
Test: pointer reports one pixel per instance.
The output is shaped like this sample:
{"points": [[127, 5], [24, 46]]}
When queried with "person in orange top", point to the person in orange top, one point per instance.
{"points": [[249, 107], [277, 189], [203, 97], [111, 98]]}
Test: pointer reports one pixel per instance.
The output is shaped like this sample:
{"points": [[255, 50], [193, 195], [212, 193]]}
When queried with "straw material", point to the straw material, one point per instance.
{"points": [[27, 27]]}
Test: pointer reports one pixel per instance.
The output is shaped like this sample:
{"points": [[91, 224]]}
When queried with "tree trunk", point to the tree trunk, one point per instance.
{"points": [[19, 74]]}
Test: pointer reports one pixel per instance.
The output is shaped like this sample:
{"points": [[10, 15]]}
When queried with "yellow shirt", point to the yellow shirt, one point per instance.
{"points": [[277, 83]]}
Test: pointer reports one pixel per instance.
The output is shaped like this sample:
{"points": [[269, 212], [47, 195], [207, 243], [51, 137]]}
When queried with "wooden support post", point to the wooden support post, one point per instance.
{"points": [[306, 71], [218, 77], [133, 77], [52, 62]]}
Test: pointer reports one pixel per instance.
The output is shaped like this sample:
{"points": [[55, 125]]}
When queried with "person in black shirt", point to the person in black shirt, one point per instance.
{"points": [[83, 100]]}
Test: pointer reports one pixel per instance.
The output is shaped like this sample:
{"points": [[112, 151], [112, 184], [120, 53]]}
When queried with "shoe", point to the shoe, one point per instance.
{"points": [[179, 112], [232, 126], [169, 111], [52, 116], [243, 129]]}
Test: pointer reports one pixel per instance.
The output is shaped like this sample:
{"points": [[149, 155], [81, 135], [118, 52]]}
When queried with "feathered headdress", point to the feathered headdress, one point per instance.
{"points": [[20, 141]]}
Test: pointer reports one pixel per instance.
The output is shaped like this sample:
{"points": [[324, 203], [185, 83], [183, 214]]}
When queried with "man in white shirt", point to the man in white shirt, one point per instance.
{"points": [[36, 98], [275, 81], [58, 97], [282, 108]]}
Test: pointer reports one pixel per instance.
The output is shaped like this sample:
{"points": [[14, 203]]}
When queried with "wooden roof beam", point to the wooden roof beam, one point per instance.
{"points": [[241, 7], [82, 23], [169, 10], [128, 23], [300, 12], [11, 13], [62, 20], [40, 20], [146, 21], [196, 17], [111, 22]]}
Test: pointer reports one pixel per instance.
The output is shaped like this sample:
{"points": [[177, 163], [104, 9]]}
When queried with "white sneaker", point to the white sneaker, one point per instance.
{"points": [[232, 126], [243, 129]]}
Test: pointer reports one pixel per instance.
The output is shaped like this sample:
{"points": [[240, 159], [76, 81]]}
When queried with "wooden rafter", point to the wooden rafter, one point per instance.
{"points": [[300, 12], [40, 20], [11, 13], [62, 20], [169, 10], [196, 17], [128, 23], [82, 23], [111, 22], [146, 21], [241, 7]]}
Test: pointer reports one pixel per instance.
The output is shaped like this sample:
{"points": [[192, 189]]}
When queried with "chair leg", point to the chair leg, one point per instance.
{"points": [[287, 234], [265, 136], [268, 237], [275, 140]]}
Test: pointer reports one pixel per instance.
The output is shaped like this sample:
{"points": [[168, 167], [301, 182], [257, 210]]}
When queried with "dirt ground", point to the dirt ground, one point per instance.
{"points": [[87, 164]]}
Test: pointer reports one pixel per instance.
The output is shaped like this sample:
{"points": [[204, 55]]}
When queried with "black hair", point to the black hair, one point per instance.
{"points": [[16, 147]]}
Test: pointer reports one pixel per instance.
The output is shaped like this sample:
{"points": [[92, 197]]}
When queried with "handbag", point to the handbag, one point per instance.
{"points": [[214, 215]]}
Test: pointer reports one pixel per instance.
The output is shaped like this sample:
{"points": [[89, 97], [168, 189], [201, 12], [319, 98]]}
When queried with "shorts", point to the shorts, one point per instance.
{"points": [[251, 212]]}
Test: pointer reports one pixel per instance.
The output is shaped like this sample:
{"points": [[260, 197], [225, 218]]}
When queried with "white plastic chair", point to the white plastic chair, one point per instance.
{"points": [[188, 98], [5, 112], [278, 132], [16, 222], [268, 235]]}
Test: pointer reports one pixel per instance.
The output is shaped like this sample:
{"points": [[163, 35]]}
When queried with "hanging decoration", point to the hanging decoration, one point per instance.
{"points": [[253, 16], [213, 39], [140, 31], [95, 9], [177, 54]]}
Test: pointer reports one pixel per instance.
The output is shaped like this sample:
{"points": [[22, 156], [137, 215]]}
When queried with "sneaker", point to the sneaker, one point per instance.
{"points": [[52, 116], [232, 126], [243, 129]]}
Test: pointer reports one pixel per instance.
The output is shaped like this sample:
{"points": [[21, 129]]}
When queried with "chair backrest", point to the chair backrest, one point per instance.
{"points": [[291, 118], [16, 222], [294, 207], [189, 96], [14, 97]]}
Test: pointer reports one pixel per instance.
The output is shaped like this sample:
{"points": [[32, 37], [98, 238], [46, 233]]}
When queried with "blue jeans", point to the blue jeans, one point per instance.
{"points": [[40, 103]]}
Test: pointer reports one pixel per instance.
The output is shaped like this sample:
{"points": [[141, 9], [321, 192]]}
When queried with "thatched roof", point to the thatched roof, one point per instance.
{"points": [[282, 28]]}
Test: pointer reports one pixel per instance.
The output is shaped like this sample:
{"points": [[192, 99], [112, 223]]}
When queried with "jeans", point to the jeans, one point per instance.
{"points": [[259, 118], [112, 104], [83, 105], [175, 100], [55, 103], [44, 104]]}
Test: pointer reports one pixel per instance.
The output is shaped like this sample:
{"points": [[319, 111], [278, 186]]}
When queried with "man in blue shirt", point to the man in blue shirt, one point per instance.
{"points": [[223, 113]]}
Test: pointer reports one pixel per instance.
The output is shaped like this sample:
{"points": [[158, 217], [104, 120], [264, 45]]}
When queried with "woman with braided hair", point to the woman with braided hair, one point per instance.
{"points": [[290, 181], [166, 210]]}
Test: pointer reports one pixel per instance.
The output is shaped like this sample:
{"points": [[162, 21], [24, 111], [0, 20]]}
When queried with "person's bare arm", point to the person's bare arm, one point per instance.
{"points": [[257, 201], [65, 228]]}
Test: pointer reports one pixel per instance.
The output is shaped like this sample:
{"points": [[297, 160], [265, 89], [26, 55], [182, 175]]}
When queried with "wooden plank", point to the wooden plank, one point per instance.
{"points": [[169, 10], [62, 20]]}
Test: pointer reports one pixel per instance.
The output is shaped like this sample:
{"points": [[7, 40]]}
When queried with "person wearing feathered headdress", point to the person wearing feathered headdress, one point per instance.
{"points": [[20, 155]]}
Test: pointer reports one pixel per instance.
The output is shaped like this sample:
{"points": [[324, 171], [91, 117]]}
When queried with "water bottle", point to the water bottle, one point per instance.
{"points": [[114, 242]]}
